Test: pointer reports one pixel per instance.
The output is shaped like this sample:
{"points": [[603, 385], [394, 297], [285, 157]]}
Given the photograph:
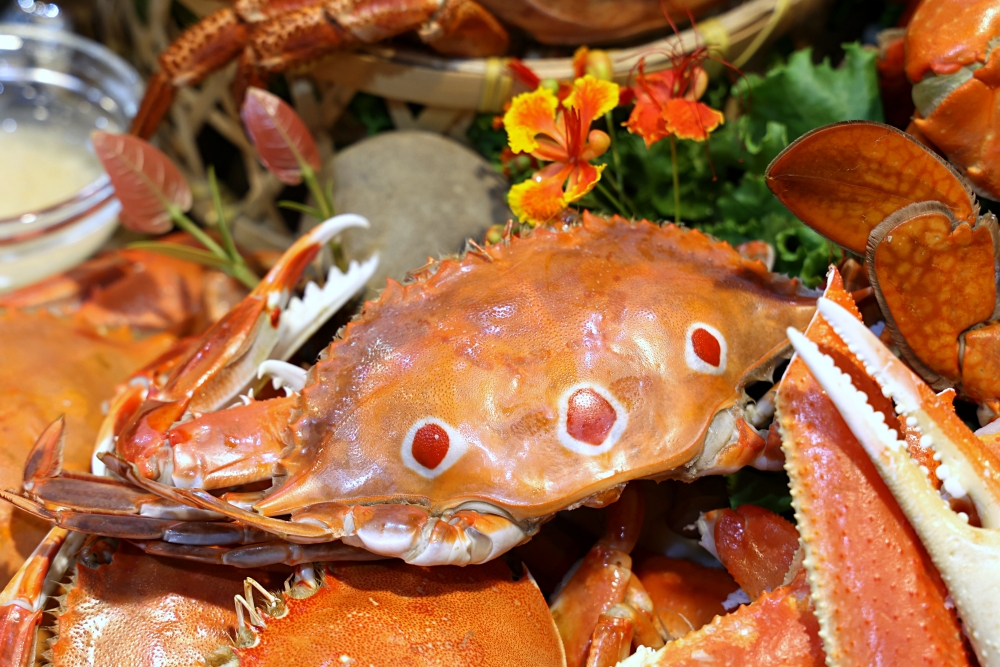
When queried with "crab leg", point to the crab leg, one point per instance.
{"points": [[853, 531], [967, 557], [22, 600], [272, 37], [778, 628], [603, 605]]}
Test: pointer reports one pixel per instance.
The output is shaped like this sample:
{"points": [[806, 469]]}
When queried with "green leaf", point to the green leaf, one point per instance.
{"points": [[756, 487], [749, 211], [301, 208], [803, 96], [794, 98], [181, 251]]}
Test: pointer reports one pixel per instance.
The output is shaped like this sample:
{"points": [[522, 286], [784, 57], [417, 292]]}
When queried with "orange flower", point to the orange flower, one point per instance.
{"points": [[666, 104], [538, 124]]}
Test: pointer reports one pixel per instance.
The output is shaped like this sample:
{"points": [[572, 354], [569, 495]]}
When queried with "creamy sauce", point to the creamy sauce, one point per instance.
{"points": [[39, 168]]}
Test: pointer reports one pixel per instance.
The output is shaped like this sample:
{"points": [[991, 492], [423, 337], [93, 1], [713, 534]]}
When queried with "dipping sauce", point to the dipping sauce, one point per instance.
{"points": [[57, 205], [39, 168]]}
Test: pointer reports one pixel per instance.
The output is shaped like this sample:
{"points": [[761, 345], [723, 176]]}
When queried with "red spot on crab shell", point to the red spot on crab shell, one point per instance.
{"points": [[589, 417], [430, 445], [706, 346]]}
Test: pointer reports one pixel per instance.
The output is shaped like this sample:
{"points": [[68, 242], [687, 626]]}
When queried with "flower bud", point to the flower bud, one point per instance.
{"points": [[550, 84], [596, 63], [597, 143]]}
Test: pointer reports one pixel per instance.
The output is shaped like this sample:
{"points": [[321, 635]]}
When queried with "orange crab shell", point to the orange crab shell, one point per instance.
{"points": [[946, 35], [396, 614], [642, 333], [51, 367], [143, 610]]}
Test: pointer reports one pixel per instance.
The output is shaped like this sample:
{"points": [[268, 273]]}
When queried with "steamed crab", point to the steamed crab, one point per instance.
{"points": [[464, 464]]}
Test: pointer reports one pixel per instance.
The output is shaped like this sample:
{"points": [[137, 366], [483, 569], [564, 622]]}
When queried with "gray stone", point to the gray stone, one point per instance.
{"points": [[424, 195]]}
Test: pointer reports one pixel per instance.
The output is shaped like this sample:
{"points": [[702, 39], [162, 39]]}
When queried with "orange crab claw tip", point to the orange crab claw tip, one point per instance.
{"points": [[287, 272], [968, 558]]}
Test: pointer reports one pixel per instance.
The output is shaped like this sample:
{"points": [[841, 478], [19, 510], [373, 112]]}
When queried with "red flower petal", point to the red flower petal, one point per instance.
{"points": [[690, 120]]}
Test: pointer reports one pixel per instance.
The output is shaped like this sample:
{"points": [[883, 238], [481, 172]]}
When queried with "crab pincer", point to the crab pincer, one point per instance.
{"points": [[967, 556], [259, 328]]}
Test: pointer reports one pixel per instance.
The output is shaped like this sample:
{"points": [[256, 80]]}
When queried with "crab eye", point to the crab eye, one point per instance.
{"points": [[591, 420], [431, 446], [705, 349]]}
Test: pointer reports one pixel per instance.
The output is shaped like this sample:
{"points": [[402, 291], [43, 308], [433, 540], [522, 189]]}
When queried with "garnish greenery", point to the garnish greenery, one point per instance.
{"points": [[721, 187]]}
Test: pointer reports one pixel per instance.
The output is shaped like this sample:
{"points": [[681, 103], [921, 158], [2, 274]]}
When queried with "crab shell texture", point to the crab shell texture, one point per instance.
{"points": [[539, 373], [957, 78], [142, 610], [397, 614]]}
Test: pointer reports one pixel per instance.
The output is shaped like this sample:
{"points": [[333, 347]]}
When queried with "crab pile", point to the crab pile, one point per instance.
{"points": [[513, 457]]}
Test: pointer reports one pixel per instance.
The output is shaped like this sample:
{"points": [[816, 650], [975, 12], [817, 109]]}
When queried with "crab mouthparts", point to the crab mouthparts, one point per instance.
{"points": [[967, 557]]}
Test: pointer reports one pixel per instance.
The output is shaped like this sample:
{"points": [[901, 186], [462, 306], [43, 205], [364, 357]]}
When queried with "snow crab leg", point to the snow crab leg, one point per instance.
{"points": [[967, 556]]}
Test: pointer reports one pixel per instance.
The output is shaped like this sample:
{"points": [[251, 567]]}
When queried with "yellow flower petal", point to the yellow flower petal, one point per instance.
{"points": [[537, 202], [529, 115], [592, 97], [583, 179]]}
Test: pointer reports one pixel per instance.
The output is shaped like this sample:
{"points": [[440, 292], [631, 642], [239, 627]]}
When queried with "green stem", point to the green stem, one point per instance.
{"points": [[188, 225], [677, 180], [242, 273], [624, 198], [220, 214], [324, 204], [616, 157], [236, 268], [614, 200]]}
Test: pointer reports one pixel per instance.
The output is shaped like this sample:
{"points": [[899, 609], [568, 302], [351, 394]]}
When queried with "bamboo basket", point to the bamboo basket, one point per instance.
{"points": [[449, 91]]}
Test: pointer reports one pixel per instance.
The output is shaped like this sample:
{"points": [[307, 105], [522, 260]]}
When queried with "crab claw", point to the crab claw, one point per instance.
{"points": [[268, 324], [967, 557]]}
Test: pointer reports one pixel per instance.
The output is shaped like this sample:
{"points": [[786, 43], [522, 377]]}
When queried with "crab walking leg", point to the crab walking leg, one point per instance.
{"points": [[778, 628], [602, 602], [22, 600], [967, 557], [463, 537], [756, 546]]}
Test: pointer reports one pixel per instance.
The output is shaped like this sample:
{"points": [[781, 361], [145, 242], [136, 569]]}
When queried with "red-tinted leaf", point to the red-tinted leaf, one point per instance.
{"points": [[282, 140], [146, 181]]}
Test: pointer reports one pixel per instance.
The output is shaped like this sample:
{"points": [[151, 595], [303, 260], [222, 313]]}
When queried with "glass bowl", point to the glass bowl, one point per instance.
{"points": [[57, 206]]}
